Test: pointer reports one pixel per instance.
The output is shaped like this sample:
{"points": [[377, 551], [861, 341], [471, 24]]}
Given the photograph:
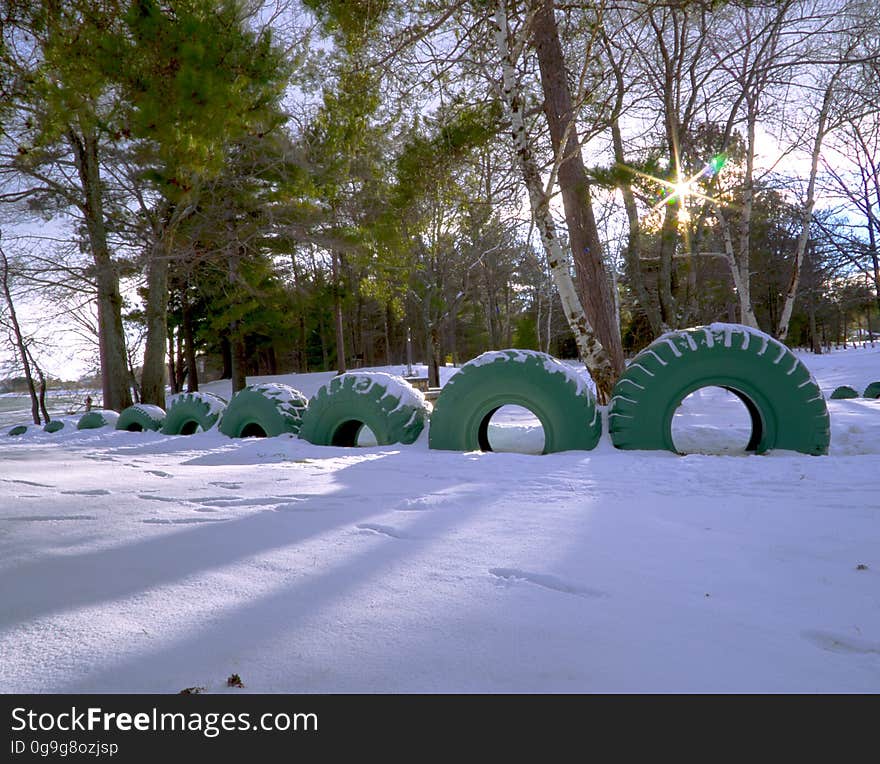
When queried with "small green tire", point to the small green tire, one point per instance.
{"points": [[554, 392], [95, 420], [141, 417], [844, 391], [872, 390], [264, 410], [55, 425], [19, 429], [387, 404], [187, 413]]}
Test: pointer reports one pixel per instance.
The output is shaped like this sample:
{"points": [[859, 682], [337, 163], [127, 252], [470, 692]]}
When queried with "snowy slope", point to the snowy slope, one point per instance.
{"points": [[137, 562]]}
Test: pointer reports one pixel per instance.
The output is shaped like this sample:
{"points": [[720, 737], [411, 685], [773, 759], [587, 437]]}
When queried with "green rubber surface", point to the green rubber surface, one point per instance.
{"points": [[844, 391], [872, 390], [264, 411], [786, 406], [94, 420], [19, 429], [138, 418], [54, 426], [388, 405], [187, 412], [551, 390]]}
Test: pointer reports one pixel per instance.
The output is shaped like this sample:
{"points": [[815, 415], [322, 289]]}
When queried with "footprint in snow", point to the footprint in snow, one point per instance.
{"points": [[88, 492], [383, 530], [158, 473], [28, 482], [839, 643], [514, 576], [226, 485], [47, 518]]}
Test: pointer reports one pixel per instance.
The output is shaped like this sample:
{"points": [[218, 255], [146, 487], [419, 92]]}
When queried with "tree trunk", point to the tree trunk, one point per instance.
{"points": [[192, 380], [807, 216], [337, 314], [111, 337], [156, 313], [19, 340], [593, 282], [590, 348]]}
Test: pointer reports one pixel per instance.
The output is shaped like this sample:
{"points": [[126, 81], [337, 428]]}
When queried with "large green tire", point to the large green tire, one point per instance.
{"points": [[872, 390], [550, 389], [95, 420], [264, 411], [141, 417], [388, 405], [842, 392], [786, 406], [189, 412]]}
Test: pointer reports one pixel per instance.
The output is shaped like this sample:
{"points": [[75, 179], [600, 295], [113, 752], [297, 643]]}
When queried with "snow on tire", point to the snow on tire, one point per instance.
{"points": [[842, 392], [388, 405], [787, 408], [550, 389], [94, 420], [872, 390], [188, 412], [264, 410], [141, 417]]}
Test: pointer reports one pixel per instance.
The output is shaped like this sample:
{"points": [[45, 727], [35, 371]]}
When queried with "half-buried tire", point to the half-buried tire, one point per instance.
{"points": [[787, 408], [56, 425], [95, 420], [551, 390], [141, 417], [843, 392], [19, 429], [264, 410], [388, 405], [872, 390], [187, 413]]}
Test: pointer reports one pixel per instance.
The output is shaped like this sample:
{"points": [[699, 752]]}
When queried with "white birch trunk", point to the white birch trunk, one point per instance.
{"points": [[740, 275], [590, 349], [807, 216]]}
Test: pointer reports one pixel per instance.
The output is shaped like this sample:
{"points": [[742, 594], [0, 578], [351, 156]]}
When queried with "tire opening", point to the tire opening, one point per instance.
{"points": [[512, 429], [189, 428], [134, 427], [347, 433], [252, 430], [716, 420]]}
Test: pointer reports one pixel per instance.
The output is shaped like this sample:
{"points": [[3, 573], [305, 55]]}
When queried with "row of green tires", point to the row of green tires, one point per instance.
{"points": [[843, 392], [787, 408]]}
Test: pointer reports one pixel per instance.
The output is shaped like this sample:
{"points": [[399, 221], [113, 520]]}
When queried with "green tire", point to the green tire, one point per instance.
{"points": [[872, 390], [187, 412], [264, 411], [141, 417], [94, 420], [388, 405], [548, 388], [54, 426], [844, 391], [19, 429], [786, 406]]}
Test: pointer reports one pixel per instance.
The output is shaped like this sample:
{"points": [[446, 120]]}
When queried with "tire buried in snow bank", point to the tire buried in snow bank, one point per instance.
{"points": [[553, 391], [872, 390], [54, 426], [264, 410], [787, 408], [19, 429], [94, 420], [141, 417], [189, 412], [842, 392], [388, 405]]}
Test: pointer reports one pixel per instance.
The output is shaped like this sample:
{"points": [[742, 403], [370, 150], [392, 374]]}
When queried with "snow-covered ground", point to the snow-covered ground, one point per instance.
{"points": [[137, 562]]}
